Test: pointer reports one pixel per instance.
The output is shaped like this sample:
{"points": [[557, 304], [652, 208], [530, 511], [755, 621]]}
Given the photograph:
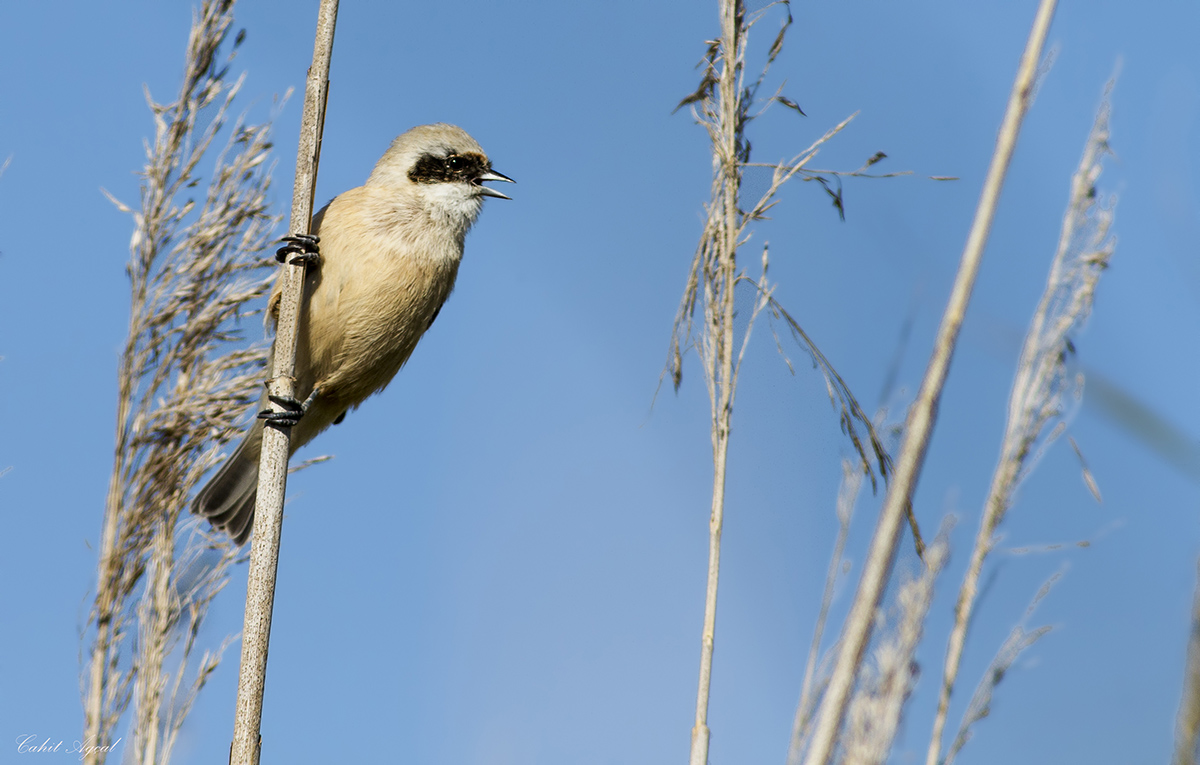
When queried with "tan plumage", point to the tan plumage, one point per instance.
{"points": [[390, 251]]}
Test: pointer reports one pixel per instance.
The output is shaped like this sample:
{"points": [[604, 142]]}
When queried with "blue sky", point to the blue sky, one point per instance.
{"points": [[505, 561]]}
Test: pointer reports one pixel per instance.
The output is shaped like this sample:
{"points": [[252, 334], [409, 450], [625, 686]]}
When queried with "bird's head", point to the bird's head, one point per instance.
{"points": [[442, 164]]}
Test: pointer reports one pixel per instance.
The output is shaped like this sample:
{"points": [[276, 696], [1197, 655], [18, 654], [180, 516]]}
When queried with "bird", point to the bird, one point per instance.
{"points": [[387, 259]]}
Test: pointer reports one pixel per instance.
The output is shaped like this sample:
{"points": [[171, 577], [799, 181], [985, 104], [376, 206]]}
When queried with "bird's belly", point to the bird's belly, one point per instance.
{"points": [[362, 337]]}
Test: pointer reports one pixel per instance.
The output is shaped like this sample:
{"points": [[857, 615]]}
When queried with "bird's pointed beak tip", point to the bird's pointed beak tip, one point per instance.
{"points": [[492, 175], [485, 191]]}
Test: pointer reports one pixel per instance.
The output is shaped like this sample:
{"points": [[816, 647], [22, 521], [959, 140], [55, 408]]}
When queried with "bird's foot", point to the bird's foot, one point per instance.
{"points": [[293, 410], [303, 247]]}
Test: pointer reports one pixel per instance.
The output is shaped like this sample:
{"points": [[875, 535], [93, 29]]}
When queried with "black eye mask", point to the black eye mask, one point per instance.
{"points": [[455, 167]]}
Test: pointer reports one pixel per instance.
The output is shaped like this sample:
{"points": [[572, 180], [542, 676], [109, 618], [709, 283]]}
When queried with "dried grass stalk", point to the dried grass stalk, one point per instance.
{"points": [[184, 377], [722, 104], [919, 426], [1044, 384]]}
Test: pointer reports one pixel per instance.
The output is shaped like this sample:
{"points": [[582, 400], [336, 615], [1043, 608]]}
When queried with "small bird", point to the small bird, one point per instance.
{"points": [[388, 256]]}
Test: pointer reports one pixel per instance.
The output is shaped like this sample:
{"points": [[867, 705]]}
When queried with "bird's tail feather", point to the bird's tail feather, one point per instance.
{"points": [[227, 500]]}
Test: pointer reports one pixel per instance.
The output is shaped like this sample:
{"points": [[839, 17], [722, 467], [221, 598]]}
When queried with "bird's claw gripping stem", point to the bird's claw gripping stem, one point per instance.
{"points": [[293, 410], [303, 247]]}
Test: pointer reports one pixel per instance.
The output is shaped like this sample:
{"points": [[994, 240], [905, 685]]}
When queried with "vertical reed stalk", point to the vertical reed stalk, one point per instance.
{"points": [[720, 361], [919, 425], [268, 512], [722, 105]]}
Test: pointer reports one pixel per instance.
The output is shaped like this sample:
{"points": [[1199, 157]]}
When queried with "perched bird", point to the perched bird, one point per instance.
{"points": [[389, 254]]}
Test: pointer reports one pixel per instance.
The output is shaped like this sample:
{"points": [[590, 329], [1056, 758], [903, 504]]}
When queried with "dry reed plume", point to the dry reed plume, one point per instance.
{"points": [[885, 683], [185, 377], [1043, 386], [1044, 383], [857, 630], [816, 669], [1019, 638]]}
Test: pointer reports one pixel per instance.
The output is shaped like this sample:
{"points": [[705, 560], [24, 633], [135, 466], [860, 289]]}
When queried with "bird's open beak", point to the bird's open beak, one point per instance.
{"points": [[492, 175]]}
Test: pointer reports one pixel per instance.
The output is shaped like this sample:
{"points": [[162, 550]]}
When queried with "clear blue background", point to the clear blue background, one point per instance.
{"points": [[505, 561]]}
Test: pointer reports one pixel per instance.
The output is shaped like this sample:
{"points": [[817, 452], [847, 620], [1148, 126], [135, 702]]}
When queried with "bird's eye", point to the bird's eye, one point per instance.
{"points": [[455, 162]]}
